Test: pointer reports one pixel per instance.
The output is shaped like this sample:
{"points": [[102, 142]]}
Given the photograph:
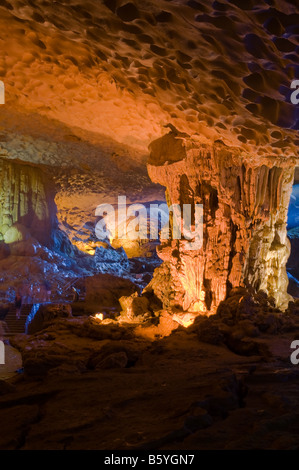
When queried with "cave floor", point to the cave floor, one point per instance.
{"points": [[174, 393]]}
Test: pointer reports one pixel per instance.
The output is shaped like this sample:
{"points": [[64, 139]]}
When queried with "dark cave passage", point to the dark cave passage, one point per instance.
{"points": [[293, 235]]}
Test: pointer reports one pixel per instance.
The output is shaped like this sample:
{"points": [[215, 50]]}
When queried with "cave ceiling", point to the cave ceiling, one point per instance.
{"points": [[106, 78]]}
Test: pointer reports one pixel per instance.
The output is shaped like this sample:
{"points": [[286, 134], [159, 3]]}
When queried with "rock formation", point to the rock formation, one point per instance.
{"points": [[88, 87], [121, 350], [27, 205], [245, 203]]}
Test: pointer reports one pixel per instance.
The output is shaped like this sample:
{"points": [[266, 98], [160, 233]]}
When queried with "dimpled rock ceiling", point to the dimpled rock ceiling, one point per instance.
{"points": [[97, 82], [125, 69]]}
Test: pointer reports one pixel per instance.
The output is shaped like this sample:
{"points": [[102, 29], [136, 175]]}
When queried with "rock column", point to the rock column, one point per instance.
{"points": [[245, 203]]}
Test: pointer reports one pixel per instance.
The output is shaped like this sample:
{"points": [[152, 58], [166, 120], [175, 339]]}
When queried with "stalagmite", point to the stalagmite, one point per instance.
{"points": [[245, 203]]}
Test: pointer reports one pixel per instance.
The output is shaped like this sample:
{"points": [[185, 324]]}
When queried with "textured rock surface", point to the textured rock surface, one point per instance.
{"points": [[46, 314], [126, 69], [104, 291], [245, 204], [92, 386]]}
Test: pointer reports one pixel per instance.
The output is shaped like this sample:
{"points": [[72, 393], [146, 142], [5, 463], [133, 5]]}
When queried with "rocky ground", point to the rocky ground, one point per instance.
{"points": [[227, 382]]}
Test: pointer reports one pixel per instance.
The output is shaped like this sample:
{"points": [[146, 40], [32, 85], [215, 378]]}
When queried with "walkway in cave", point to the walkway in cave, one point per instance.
{"points": [[15, 326]]}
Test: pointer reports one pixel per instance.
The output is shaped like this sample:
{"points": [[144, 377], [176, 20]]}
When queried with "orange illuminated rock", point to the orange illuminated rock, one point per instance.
{"points": [[245, 204], [125, 70]]}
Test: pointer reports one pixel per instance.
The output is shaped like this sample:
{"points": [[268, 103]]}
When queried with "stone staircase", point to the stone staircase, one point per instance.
{"points": [[14, 325]]}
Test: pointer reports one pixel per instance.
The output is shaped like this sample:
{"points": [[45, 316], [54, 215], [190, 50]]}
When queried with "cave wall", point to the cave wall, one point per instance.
{"points": [[245, 204], [27, 207]]}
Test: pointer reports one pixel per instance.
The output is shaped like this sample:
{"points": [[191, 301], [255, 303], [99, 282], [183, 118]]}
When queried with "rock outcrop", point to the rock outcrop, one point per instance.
{"points": [[89, 385], [244, 240]]}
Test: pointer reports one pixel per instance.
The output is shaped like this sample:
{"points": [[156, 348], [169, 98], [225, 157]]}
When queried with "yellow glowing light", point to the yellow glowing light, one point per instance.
{"points": [[185, 320], [99, 316], [88, 248], [187, 323]]}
